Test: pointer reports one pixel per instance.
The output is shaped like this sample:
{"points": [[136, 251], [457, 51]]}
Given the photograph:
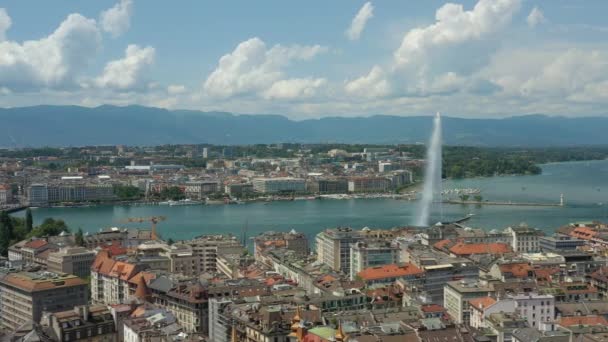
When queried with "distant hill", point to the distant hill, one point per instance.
{"points": [[137, 125]]}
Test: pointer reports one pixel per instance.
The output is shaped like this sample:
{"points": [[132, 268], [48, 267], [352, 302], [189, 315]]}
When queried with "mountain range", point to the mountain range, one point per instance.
{"points": [[137, 125]]}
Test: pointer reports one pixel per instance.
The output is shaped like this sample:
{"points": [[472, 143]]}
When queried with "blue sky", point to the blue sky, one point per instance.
{"points": [[486, 58]]}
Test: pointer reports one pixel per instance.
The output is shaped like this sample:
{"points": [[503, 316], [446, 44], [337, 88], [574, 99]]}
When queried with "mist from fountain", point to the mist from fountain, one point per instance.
{"points": [[432, 176]]}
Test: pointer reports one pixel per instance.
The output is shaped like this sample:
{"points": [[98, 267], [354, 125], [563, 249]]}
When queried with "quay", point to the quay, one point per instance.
{"points": [[13, 208], [509, 203]]}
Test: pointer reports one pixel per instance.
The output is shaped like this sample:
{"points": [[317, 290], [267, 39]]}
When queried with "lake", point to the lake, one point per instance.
{"points": [[584, 185]]}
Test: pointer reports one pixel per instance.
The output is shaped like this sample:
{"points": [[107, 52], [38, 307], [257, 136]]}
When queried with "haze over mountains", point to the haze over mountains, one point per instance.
{"points": [[137, 125]]}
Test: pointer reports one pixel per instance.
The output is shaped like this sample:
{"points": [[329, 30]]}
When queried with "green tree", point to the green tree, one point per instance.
{"points": [[464, 197], [7, 223], [29, 221], [478, 198], [173, 193], [5, 234], [49, 227], [79, 237]]}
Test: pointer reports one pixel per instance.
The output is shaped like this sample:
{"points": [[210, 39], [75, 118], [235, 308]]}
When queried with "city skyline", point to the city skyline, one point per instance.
{"points": [[471, 58]]}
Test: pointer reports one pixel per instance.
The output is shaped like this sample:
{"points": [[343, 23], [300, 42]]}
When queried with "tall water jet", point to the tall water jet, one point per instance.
{"points": [[432, 175]]}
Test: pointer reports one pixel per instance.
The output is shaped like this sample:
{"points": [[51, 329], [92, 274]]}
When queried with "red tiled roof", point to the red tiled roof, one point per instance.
{"points": [[441, 244], [480, 248], [582, 320], [584, 233], [481, 303], [35, 244], [389, 271], [518, 270], [432, 308]]}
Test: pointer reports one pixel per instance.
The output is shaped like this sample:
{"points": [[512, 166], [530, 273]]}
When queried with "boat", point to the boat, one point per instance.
{"points": [[184, 202]]}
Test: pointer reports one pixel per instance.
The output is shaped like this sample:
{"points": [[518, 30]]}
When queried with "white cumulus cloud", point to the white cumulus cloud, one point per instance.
{"points": [[535, 17], [359, 21], [175, 89], [5, 23], [374, 84], [51, 61], [126, 73], [117, 19], [420, 66], [294, 88], [252, 68], [455, 25]]}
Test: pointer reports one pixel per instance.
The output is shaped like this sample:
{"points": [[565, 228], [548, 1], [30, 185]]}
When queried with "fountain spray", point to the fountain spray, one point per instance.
{"points": [[432, 175]]}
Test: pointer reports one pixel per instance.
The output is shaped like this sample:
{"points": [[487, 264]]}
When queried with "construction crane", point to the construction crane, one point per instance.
{"points": [[152, 219]]}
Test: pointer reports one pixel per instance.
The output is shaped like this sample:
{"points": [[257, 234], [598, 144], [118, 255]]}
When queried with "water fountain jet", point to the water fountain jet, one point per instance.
{"points": [[432, 176]]}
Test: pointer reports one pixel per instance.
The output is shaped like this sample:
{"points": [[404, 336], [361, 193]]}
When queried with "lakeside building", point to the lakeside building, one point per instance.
{"points": [[68, 191], [368, 184], [198, 190], [6, 194], [238, 189], [26, 295], [279, 184], [328, 185]]}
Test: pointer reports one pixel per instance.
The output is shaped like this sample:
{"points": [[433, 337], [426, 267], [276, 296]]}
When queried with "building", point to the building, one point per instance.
{"points": [[110, 279], [279, 184], [71, 260], [328, 186], [199, 189], [388, 274], [6, 194], [525, 239], [218, 323], [482, 308], [204, 251], [84, 323], [456, 296], [26, 295], [333, 247], [37, 195], [368, 184], [293, 241], [535, 308], [365, 255], [238, 189], [559, 242]]}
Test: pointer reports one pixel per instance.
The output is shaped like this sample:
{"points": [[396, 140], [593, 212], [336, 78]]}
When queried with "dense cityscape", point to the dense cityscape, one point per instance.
{"points": [[314, 171]]}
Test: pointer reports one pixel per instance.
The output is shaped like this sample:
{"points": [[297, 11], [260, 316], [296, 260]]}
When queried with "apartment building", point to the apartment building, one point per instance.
{"points": [[368, 184], [456, 296], [333, 247], [26, 295], [6, 194], [71, 260], [365, 254], [279, 184]]}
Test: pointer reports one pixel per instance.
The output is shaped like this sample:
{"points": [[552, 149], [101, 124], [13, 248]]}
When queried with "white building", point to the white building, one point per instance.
{"points": [[535, 308], [482, 308], [6, 194], [279, 184], [524, 239], [364, 255]]}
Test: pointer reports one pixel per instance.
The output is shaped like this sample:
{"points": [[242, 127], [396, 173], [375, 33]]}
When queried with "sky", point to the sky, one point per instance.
{"points": [[309, 59]]}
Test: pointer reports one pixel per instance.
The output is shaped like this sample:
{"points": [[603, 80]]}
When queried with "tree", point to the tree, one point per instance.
{"points": [[170, 241], [5, 239], [464, 197], [7, 223], [49, 227], [79, 237], [173, 193], [29, 221], [478, 198]]}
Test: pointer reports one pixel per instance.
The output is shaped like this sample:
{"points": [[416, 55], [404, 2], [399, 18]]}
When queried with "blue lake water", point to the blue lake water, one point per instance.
{"points": [[584, 185]]}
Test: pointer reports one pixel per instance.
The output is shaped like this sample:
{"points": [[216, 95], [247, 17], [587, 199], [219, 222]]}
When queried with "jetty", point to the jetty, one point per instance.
{"points": [[561, 203]]}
